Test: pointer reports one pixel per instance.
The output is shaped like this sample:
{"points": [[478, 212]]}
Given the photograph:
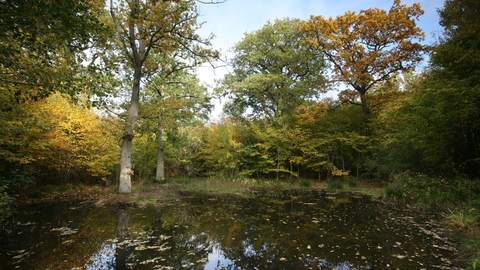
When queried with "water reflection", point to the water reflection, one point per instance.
{"points": [[283, 230], [122, 231]]}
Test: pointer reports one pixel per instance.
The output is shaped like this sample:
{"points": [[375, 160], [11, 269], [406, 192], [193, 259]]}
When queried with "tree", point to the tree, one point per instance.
{"points": [[368, 47], [436, 127], [273, 71], [330, 138], [172, 100], [145, 29], [41, 52], [42, 42], [59, 136], [221, 149], [457, 56]]}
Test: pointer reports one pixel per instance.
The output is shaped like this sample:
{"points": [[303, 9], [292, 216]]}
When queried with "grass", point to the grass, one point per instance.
{"points": [[334, 185]]}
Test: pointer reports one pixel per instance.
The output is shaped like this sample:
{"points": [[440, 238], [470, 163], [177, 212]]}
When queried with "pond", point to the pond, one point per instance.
{"points": [[275, 230]]}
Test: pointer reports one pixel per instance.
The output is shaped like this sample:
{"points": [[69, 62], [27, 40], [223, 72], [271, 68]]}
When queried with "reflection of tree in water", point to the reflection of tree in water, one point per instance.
{"points": [[122, 232]]}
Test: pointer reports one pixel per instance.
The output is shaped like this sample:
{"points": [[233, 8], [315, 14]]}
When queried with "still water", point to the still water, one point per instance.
{"points": [[278, 230]]}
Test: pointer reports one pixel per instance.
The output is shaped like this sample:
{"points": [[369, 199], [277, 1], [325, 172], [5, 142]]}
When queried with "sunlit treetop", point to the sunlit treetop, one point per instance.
{"points": [[367, 47]]}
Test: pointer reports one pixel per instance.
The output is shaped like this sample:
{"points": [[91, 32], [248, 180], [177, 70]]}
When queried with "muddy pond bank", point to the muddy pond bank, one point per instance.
{"points": [[294, 229]]}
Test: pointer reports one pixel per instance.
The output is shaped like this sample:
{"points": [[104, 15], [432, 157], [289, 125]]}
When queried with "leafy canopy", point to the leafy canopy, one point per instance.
{"points": [[366, 48], [274, 71]]}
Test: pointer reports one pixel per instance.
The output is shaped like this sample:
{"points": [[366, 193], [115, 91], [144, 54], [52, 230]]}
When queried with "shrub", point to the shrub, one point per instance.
{"points": [[352, 182], [305, 182], [334, 184], [396, 190], [5, 203]]}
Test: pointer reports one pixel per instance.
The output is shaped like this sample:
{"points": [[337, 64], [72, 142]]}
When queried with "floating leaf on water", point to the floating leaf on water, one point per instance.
{"points": [[26, 224], [66, 230], [162, 267], [20, 256]]}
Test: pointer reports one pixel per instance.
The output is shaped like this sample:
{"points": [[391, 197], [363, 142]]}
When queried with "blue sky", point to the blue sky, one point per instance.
{"points": [[230, 20]]}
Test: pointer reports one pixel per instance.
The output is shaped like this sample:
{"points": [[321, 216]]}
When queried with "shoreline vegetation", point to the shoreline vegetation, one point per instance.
{"points": [[456, 201]]}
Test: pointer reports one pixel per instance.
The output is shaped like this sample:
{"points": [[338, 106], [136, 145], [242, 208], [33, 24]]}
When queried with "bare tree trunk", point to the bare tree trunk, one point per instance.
{"points": [[126, 172], [138, 57], [125, 182], [160, 175]]}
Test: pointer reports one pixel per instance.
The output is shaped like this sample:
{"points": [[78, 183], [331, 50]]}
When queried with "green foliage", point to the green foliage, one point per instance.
{"points": [[397, 190], [5, 202], [457, 56], [435, 128], [16, 178], [144, 156], [273, 71], [43, 45], [352, 182], [221, 149], [332, 139], [462, 218], [434, 191], [305, 182], [11, 182]]}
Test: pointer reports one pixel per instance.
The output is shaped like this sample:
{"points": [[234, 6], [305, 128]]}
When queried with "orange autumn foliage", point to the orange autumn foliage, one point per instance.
{"points": [[368, 47]]}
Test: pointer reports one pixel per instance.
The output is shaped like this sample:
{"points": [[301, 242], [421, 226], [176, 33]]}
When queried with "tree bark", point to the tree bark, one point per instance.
{"points": [[125, 182], [138, 53], [160, 175], [126, 171], [366, 109]]}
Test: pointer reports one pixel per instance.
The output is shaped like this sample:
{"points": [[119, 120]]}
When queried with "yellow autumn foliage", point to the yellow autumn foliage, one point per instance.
{"points": [[78, 137], [55, 133]]}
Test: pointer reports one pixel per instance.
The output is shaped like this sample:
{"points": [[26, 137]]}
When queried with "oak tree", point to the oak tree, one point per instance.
{"points": [[143, 30], [368, 47], [273, 71]]}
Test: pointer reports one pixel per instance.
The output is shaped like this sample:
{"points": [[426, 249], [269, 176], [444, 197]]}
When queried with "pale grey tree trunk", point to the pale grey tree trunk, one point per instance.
{"points": [[138, 58], [126, 171], [160, 176]]}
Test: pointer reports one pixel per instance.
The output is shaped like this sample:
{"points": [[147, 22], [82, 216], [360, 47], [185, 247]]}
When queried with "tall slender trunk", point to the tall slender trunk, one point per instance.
{"points": [[160, 175], [126, 171], [138, 53]]}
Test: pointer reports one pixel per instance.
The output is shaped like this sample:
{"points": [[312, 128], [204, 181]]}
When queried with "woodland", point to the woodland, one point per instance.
{"points": [[106, 92]]}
